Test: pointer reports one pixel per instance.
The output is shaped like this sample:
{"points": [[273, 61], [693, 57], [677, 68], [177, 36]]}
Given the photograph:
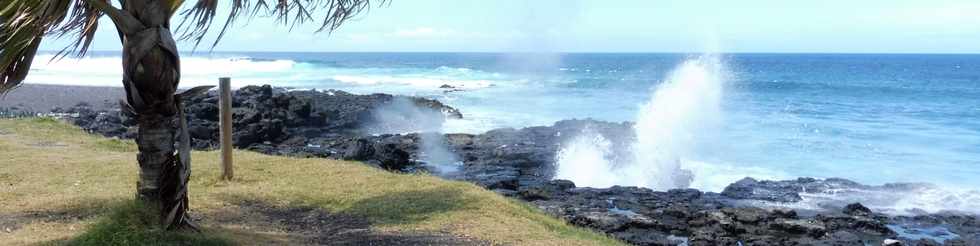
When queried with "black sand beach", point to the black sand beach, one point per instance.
{"points": [[43, 98]]}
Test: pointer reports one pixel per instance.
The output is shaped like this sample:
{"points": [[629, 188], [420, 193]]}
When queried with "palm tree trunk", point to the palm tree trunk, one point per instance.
{"points": [[155, 141], [160, 183], [151, 72]]}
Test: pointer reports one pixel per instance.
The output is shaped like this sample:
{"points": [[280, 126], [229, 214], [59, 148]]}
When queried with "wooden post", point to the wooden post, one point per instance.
{"points": [[224, 87]]}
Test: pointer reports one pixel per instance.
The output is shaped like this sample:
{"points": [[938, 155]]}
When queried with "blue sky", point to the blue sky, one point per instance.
{"points": [[834, 26]]}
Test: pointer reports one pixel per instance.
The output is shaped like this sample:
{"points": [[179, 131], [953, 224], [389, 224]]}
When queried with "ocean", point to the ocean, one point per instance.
{"points": [[872, 118]]}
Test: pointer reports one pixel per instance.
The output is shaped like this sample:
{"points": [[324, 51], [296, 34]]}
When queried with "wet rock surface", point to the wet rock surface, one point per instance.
{"points": [[519, 163]]}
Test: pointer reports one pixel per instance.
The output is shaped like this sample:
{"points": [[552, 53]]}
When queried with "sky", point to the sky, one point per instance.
{"points": [[825, 26]]}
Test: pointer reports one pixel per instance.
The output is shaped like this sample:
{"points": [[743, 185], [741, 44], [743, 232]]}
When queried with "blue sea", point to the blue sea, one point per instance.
{"points": [[872, 118]]}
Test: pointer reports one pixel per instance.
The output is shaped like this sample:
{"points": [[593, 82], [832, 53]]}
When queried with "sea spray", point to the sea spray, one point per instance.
{"points": [[436, 155], [586, 161], [400, 116], [684, 107]]}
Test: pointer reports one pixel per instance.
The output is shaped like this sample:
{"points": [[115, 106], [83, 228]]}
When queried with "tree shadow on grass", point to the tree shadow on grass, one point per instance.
{"points": [[412, 206], [63, 214], [131, 223], [126, 222], [312, 225]]}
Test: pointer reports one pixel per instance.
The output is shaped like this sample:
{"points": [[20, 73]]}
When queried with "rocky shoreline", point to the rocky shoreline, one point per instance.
{"points": [[519, 163]]}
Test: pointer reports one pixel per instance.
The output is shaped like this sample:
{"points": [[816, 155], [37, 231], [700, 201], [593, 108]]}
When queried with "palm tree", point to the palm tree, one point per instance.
{"points": [[151, 67]]}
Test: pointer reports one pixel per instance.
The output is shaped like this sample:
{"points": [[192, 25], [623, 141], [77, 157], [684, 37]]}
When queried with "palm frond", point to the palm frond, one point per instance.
{"points": [[199, 18], [23, 24], [82, 23]]}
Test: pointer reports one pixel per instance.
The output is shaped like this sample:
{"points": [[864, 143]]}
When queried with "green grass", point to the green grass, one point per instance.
{"points": [[60, 185], [132, 224], [114, 145]]}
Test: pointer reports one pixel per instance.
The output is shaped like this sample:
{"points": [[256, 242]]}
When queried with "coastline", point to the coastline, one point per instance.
{"points": [[516, 163]]}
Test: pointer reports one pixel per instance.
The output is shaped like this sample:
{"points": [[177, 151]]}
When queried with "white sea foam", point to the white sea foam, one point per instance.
{"points": [[715, 176], [107, 70], [908, 199], [416, 81], [200, 70], [936, 199]]}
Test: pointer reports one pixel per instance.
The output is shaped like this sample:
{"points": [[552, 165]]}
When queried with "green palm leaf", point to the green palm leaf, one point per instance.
{"points": [[24, 23], [198, 19]]}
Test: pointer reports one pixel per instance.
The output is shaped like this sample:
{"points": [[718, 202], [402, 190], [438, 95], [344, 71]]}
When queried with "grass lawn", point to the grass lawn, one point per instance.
{"points": [[60, 185]]}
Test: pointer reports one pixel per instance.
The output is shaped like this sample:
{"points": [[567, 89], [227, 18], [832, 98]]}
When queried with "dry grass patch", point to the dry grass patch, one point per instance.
{"points": [[58, 185]]}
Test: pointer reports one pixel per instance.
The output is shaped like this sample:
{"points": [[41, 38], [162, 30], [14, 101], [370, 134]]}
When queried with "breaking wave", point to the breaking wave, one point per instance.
{"points": [[201, 70]]}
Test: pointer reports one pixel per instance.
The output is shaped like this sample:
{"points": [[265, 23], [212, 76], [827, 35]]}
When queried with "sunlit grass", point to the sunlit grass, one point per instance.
{"points": [[61, 185]]}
